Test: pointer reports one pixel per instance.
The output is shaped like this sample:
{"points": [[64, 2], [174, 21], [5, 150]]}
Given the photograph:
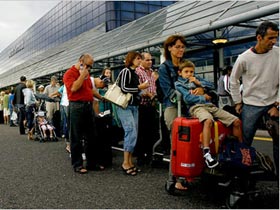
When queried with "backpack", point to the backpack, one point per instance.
{"points": [[236, 154]]}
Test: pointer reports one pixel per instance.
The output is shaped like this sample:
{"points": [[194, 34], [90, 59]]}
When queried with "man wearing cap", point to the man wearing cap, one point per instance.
{"points": [[81, 114], [51, 107], [18, 104]]}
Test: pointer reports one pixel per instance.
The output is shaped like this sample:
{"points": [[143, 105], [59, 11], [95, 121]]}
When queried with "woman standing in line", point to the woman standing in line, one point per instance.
{"points": [[30, 103], [174, 49], [129, 83]]}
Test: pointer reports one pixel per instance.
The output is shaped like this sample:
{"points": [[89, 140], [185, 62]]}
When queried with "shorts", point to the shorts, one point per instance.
{"points": [[46, 126], [6, 112], [210, 111]]}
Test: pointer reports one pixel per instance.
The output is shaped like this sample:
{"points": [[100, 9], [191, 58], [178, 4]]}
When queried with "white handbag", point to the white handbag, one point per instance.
{"points": [[115, 95]]}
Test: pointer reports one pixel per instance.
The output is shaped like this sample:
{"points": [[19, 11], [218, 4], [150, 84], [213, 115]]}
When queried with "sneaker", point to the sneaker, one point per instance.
{"points": [[84, 156], [210, 162]]}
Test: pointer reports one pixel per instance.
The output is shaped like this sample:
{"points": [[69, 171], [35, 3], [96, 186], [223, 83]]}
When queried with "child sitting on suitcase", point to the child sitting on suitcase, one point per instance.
{"points": [[200, 106]]}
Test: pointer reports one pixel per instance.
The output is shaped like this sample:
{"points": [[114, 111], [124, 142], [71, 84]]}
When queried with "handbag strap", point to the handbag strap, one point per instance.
{"points": [[118, 78]]}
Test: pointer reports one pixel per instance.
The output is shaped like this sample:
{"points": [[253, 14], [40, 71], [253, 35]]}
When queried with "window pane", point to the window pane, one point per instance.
{"points": [[128, 6], [141, 7]]}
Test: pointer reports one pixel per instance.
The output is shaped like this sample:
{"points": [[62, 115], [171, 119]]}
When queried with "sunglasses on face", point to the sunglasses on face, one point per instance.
{"points": [[88, 66]]}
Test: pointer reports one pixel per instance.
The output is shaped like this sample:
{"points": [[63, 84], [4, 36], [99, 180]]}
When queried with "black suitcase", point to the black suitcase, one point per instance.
{"points": [[56, 122], [103, 142]]}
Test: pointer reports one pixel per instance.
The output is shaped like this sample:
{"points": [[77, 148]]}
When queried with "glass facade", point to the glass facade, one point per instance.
{"points": [[68, 19]]}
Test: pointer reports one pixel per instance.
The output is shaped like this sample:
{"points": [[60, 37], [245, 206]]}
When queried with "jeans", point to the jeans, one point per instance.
{"points": [[250, 116], [11, 113], [81, 127], [63, 122], [129, 120], [30, 116]]}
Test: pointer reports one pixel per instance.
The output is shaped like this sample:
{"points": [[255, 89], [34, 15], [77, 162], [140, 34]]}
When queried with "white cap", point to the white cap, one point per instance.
{"points": [[41, 114], [41, 86]]}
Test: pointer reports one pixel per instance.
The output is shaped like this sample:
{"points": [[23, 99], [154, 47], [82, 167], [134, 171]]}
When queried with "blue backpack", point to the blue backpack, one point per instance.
{"points": [[236, 154]]}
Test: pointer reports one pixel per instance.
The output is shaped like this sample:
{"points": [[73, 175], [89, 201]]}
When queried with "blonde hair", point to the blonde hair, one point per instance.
{"points": [[29, 83]]}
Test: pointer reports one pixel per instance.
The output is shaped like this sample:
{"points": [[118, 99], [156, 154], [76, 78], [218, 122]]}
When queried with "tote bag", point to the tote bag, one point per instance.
{"points": [[115, 95]]}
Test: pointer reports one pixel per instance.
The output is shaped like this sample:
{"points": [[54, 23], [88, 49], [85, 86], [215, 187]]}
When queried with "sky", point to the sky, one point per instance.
{"points": [[17, 16]]}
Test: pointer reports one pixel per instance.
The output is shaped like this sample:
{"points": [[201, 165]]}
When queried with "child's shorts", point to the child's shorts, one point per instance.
{"points": [[210, 111]]}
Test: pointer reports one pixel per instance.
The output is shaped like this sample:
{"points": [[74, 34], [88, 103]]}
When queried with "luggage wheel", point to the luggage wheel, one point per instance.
{"points": [[170, 187]]}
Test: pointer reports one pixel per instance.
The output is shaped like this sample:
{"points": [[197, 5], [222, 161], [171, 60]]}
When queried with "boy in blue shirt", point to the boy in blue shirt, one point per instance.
{"points": [[201, 107]]}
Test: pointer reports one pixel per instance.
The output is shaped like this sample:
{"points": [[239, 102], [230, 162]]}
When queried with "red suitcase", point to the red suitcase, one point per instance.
{"points": [[186, 158]]}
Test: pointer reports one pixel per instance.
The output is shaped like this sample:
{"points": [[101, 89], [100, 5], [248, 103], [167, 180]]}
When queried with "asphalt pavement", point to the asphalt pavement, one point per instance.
{"points": [[39, 176]]}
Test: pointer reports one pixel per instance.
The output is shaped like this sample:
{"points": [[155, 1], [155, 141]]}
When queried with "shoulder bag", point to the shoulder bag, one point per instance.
{"points": [[115, 95]]}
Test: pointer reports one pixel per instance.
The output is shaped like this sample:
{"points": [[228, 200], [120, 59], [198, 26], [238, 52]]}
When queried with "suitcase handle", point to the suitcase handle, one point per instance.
{"points": [[184, 133]]}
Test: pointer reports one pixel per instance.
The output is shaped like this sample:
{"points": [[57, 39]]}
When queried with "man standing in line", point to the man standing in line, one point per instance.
{"points": [[18, 104], [81, 114], [51, 107], [259, 69], [148, 132]]}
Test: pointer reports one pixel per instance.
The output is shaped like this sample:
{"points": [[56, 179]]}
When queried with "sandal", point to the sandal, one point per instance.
{"points": [[136, 169], [68, 149], [80, 170], [129, 171], [181, 186]]}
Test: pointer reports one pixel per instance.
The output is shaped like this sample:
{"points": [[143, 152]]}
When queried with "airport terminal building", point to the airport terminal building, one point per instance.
{"points": [[110, 29]]}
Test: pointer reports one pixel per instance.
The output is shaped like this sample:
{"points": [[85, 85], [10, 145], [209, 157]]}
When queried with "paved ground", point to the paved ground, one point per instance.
{"points": [[39, 175]]}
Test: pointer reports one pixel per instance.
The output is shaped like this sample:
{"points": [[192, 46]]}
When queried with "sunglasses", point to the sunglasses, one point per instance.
{"points": [[88, 66]]}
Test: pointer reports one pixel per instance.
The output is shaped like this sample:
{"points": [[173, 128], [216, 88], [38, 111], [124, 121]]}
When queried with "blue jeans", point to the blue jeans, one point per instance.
{"points": [[30, 116], [250, 116], [81, 127], [11, 113], [63, 122], [129, 120]]}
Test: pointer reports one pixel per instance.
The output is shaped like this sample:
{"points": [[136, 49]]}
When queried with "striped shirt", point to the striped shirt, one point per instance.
{"points": [[146, 75]]}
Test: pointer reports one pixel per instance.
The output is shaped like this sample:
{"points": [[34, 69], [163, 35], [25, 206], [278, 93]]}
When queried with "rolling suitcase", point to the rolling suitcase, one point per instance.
{"points": [[104, 140], [186, 158]]}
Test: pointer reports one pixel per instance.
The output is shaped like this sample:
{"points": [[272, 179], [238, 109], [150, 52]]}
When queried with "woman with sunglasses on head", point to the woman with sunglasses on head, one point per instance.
{"points": [[174, 49]]}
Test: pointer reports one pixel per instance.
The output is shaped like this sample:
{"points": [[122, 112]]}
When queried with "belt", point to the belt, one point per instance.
{"points": [[81, 102]]}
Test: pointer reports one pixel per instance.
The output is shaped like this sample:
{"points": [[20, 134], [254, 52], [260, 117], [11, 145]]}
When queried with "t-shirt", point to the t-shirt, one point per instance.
{"points": [[85, 91]]}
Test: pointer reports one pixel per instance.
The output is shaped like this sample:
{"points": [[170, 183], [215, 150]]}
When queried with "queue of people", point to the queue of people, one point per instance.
{"points": [[81, 102]]}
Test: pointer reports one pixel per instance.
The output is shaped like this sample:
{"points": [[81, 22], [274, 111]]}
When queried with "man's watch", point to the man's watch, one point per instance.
{"points": [[276, 106]]}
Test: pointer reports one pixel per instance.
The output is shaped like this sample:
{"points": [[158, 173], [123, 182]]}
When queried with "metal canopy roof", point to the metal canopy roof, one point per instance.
{"points": [[188, 18]]}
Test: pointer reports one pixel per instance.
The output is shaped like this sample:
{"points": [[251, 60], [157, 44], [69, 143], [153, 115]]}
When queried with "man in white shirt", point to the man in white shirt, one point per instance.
{"points": [[259, 69], [51, 107]]}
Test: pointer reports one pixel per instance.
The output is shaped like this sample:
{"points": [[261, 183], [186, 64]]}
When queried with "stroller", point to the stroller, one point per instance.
{"points": [[44, 130]]}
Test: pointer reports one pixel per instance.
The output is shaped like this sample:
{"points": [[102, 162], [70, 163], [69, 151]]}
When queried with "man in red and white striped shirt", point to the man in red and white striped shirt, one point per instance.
{"points": [[148, 132]]}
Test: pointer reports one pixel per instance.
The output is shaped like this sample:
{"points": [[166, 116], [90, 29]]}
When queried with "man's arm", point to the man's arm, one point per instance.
{"points": [[235, 82]]}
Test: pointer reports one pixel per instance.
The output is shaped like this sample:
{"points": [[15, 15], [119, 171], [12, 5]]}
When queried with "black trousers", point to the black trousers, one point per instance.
{"points": [[81, 127]]}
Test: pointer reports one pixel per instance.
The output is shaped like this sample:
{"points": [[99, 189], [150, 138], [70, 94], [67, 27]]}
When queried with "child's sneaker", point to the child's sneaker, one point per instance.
{"points": [[210, 162]]}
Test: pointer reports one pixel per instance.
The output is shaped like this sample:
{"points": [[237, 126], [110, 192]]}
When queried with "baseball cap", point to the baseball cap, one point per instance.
{"points": [[41, 86], [105, 79]]}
